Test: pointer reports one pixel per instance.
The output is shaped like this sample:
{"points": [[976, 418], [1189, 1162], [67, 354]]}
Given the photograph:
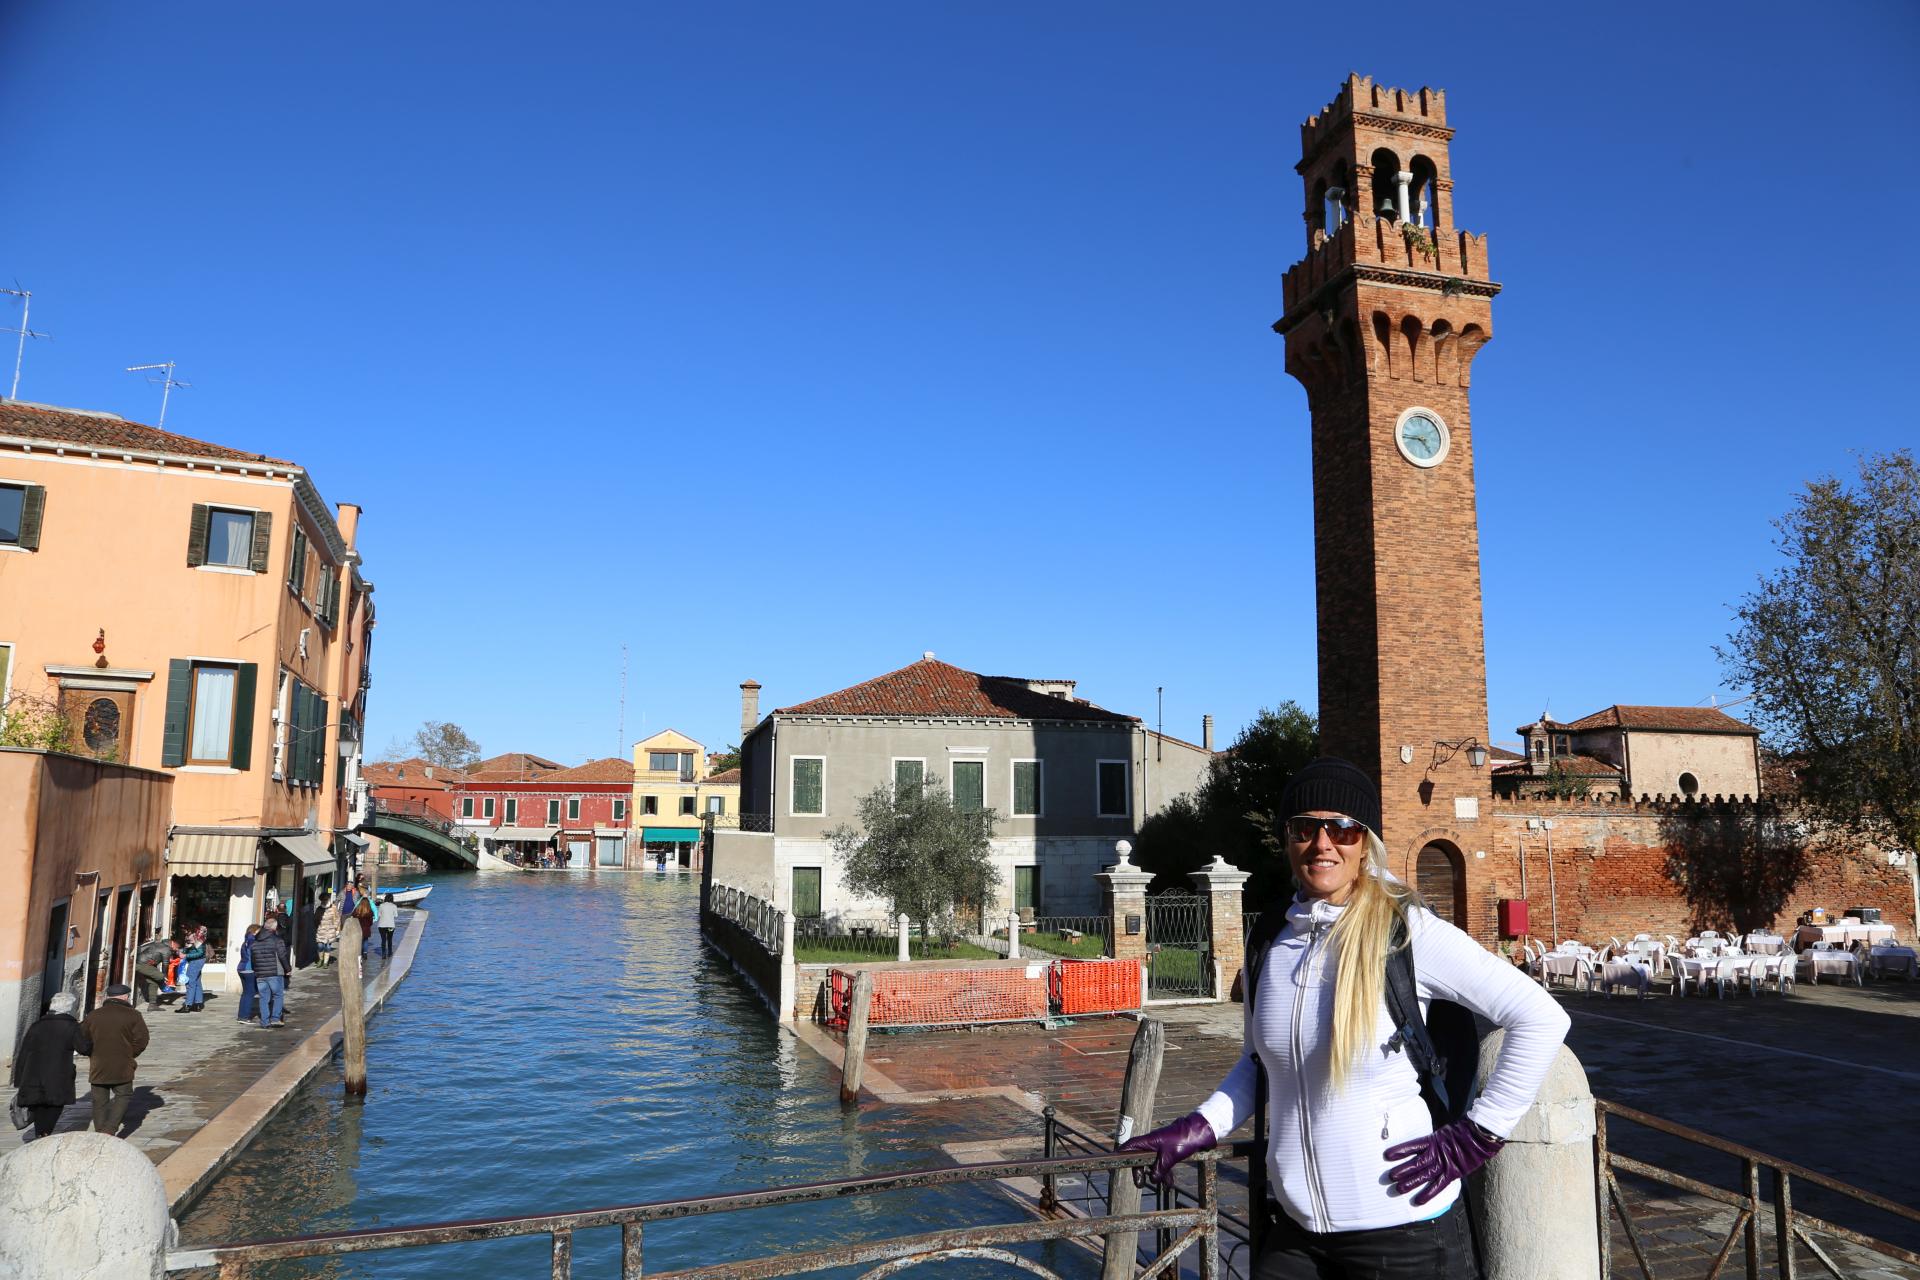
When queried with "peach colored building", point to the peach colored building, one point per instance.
{"points": [[195, 609], [81, 844]]}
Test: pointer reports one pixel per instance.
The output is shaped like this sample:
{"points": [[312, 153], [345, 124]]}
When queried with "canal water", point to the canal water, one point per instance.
{"points": [[566, 1041]]}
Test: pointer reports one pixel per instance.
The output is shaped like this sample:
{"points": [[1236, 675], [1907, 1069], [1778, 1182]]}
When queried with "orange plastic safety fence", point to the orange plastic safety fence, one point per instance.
{"points": [[1096, 986], [908, 997]]}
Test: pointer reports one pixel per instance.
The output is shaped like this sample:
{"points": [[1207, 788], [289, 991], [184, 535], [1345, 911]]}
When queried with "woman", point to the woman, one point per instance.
{"points": [[363, 912], [327, 933], [194, 959], [43, 1069], [248, 989], [1366, 1186]]}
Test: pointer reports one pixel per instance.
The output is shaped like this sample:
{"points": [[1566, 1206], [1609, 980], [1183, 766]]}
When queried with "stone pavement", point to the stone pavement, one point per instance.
{"points": [[199, 1067], [1788, 1076]]}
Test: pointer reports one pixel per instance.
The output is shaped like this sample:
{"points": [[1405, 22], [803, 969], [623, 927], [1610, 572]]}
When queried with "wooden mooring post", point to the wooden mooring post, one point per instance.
{"points": [[853, 1066], [353, 1010], [1136, 1117]]}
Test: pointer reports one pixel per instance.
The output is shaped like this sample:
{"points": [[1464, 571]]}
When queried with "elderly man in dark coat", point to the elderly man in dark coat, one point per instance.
{"points": [[43, 1069], [113, 1036]]}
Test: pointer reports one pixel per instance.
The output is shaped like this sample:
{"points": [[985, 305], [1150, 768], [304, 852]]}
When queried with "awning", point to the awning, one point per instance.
{"points": [[354, 841], [522, 833], [671, 835], [202, 853], [307, 850]]}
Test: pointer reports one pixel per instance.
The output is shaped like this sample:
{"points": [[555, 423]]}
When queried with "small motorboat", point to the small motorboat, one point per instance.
{"points": [[409, 895]]}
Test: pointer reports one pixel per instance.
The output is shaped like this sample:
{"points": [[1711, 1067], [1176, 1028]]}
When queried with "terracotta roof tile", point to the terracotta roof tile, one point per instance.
{"points": [[1673, 719], [410, 773], [725, 777], [1578, 765], [106, 431], [930, 687], [513, 766], [610, 769]]}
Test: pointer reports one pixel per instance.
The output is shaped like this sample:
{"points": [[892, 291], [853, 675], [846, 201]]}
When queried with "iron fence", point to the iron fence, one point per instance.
{"points": [[1179, 946], [1182, 1228], [823, 939], [1075, 937], [756, 822], [766, 923], [1249, 921], [1791, 1227]]}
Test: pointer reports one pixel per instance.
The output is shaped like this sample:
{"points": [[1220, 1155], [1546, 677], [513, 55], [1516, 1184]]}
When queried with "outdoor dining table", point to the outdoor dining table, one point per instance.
{"points": [[1715, 969], [1637, 974], [1888, 960], [1835, 963], [1765, 944], [1565, 964], [1841, 935]]}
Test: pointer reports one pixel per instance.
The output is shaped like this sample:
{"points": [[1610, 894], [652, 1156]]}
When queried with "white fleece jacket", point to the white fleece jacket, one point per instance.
{"points": [[1324, 1156]]}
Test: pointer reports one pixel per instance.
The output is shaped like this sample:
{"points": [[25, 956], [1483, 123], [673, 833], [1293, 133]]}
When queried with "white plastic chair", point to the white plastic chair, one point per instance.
{"points": [[1678, 972]]}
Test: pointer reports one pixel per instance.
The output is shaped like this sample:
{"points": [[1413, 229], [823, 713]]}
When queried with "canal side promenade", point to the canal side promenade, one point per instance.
{"points": [[208, 1083], [1794, 1078]]}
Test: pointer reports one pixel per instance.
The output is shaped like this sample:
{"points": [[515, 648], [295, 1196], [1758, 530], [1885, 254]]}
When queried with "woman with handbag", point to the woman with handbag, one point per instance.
{"points": [[1366, 1182], [43, 1069], [249, 991], [193, 960]]}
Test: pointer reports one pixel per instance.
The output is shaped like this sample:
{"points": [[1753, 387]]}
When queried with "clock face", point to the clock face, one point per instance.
{"points": [[1421, 437]]}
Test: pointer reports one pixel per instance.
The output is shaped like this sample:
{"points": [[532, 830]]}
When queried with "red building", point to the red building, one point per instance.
{"points": [[413, 785], [526, 806]]}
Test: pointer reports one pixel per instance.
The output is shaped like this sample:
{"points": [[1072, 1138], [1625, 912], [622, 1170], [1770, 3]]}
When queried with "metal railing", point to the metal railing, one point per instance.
{"points": [[414, 811], [875, 936], [762, 920], [756, 822], [1791, 1226], [1075, 937], [1184, 1228]]}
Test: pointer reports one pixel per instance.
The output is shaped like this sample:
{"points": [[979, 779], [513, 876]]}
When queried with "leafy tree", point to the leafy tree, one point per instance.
{"points": [[1234, 814], [918, 851], [721, 761], [446, 745], [1735, 861], [1829, 645], [1562, 783], [36, 722]]}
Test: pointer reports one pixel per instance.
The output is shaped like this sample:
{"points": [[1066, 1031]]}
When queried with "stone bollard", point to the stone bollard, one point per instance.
{"points": [[1535, 1201], [1013, 935], [80, 1206], [905, 953]]}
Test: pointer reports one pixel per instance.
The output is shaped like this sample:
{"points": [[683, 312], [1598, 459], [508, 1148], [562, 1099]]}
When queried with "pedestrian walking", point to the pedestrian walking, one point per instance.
{"points": [[43, 1069], [363, 912], [249, 990], [389, 921], [150, 969], [193, 959], [113, 1037], [1364, 1165], [270, 964], [327, 933], [307, 950]]}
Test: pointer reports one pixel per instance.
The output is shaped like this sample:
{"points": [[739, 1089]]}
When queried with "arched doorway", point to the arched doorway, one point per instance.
{"points": [[1437, 875]]}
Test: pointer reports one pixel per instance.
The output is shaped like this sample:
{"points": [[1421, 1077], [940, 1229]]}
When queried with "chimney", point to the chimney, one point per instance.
{"points": [[1206, 732], [749, 707], [347, 516]]}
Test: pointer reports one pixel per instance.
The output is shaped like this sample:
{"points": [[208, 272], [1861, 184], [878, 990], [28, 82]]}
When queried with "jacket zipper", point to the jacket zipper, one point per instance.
{"points": [[1321, 1216]]}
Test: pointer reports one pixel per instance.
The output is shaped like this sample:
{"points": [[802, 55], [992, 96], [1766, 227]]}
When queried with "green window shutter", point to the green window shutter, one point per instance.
{"points": [[969, 785], [297, 569], [262, 540], [197, 536], [243, 687], [33, 509], [173, 732], [317, 741], [807, 788], [907, 777], [1026, 788]]}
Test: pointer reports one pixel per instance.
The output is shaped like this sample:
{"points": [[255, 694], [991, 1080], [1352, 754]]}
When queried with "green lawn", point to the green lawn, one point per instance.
{"points": [[827, 953], [1087, 946], [1174, 968]]}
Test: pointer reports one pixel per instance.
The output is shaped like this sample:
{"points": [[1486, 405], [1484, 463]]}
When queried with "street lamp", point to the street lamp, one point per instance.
{"points": [[1444, 751]]}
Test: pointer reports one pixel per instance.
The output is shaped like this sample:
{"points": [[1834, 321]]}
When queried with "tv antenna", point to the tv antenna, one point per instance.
{"points": [[623, 700], [19, 354], [166, 382]]}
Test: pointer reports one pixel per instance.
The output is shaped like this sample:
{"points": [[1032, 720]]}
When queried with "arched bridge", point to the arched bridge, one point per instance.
{"points": [[421, 832]]}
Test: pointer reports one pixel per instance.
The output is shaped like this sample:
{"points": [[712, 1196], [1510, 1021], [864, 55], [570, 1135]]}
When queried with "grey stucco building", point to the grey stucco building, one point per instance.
{"points": [[1065, 778]]}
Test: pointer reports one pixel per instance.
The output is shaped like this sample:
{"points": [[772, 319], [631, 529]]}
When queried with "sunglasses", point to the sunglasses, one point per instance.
{"points": [[1342, 831]]}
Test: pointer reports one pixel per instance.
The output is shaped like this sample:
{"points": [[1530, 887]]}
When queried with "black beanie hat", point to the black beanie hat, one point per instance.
{"points": [[1332, 784]]}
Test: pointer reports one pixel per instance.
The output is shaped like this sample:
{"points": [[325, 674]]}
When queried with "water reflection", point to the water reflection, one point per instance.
{"points": [[566, 1042]]}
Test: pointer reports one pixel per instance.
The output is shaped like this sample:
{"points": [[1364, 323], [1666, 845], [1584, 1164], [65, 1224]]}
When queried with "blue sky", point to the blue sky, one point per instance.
{"points": [[786, 342]]}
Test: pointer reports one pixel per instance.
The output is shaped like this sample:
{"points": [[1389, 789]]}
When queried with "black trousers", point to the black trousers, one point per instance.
{"points": [[386, 942], [1438, 1249], [44, 1118]]}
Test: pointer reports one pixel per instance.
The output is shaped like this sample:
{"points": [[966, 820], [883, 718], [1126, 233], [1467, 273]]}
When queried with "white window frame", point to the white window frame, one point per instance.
{"points": [[1039, 787], [953, 789], [573, 808], [553, 811], [893, 772], [253, 514], [487, 807], [793, 786], [466, 806], [510, 812], [6, 671], [1126, 772], [620, 809]]}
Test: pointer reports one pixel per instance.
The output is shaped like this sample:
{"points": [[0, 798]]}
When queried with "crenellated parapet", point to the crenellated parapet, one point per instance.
{"points": [[1453, 263], [1422, 112]]}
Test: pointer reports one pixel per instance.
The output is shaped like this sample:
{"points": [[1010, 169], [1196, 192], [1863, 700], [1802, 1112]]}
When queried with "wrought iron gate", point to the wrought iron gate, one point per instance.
{"points": [[1179, 947]]}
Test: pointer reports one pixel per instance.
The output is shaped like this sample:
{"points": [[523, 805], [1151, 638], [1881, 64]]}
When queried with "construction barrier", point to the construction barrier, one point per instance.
{"points": [[910, 996], [1094, 986]]}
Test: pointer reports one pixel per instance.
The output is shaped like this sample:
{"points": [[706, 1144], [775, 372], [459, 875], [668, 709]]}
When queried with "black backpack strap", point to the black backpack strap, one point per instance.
{"points": [[1410, 1028]]}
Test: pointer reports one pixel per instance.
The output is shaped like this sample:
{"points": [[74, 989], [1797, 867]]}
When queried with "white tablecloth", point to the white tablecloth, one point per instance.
{"points": [[1843, 934], [1765, 944], [1712, 969], [1564, 964], [1626, 973], [1834, 964], [1886, 962]]}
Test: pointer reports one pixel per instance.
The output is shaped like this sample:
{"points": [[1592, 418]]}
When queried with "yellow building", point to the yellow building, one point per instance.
{"points": [[674, 799]]}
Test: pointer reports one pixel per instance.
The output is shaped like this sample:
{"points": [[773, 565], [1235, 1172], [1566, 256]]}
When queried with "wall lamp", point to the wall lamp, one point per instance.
{"points": [[1444, 751]]}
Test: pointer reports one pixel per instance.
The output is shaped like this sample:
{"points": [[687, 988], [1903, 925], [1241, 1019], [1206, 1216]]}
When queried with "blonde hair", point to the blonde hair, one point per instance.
{"points": [[1360, 941]]}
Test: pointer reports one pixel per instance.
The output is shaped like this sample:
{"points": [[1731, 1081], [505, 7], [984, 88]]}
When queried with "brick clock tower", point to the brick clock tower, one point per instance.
{"points": [[1384, 315]]}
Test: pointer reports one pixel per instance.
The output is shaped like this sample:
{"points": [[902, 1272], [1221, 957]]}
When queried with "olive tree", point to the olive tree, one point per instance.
{"points": [[920, 851]]}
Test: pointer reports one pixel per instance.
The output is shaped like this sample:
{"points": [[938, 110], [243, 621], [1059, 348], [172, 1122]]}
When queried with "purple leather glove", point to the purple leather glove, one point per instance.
{"points": [[1170, 1144], [1440, 1159]]}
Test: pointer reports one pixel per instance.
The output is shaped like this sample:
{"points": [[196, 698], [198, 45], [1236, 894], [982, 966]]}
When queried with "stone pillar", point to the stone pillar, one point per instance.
{"points": [[1537, 1201], [1013, 935], [789, 975], [81, 1205], [1403, 200], [1125, 888], [1222, 885], [905, 954]]}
